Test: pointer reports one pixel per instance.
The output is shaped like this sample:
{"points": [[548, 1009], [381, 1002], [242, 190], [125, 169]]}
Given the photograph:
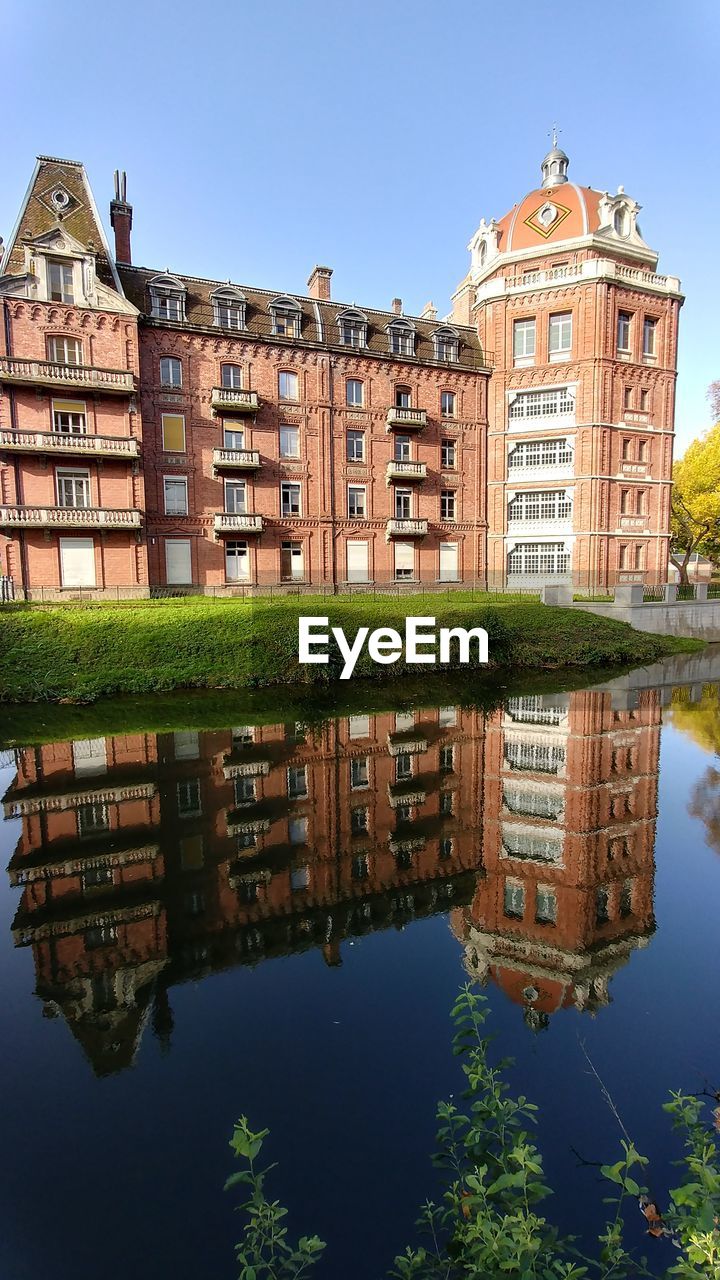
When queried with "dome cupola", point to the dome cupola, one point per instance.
{"points": [[555, 165]]}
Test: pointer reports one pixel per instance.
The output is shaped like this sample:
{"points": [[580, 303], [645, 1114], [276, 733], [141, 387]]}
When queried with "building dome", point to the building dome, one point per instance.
{"points": [[549, 215]]}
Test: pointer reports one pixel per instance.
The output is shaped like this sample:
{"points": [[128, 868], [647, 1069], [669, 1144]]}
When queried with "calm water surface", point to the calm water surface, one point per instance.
{"points": [[275, 921]]}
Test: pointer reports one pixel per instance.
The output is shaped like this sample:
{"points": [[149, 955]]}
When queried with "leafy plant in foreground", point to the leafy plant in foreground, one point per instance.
{"points": [[488, 1223]]}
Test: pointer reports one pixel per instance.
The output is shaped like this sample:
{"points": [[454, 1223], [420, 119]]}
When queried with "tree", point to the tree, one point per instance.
{"points": [[695, 524], [488, 1222]]}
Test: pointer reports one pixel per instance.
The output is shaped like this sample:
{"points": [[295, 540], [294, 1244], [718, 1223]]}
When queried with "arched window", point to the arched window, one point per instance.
{"points": [[352, 328], [401, 337], [483, 253], [403, 397], [167, 298], [231, 377], [621, 221], [447, 344], [228, 308], [170, 371], [286, 317], [63, 349]]}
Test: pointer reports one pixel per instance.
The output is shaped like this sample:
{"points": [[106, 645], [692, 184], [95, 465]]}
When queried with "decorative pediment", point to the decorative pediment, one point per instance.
{"points": [[57, 241]]}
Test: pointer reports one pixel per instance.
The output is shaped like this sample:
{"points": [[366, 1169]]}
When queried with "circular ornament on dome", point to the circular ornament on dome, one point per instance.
{"points": [[60, 198], [547, 215]]}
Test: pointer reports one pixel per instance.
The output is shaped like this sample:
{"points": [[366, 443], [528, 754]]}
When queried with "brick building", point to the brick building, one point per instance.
{"points": [[161, 430]]}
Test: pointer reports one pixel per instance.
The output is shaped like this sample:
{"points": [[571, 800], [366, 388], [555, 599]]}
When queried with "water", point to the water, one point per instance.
{"points": [[275, 921]]}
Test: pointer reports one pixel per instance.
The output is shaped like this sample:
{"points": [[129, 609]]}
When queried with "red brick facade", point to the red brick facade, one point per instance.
{"points": [[228, 439]]}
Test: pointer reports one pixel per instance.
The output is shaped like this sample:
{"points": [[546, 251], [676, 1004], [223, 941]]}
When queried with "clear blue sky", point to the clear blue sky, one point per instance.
{"points": [[263, 136]]}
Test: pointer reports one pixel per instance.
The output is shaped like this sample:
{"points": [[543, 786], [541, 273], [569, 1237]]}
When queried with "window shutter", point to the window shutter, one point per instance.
{"points": [[68, 406], [404, 555], [173, 432], [448, 561], [357, 561]]}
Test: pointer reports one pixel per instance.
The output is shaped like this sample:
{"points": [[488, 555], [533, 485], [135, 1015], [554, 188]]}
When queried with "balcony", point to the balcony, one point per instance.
{"points": [[405, 471], [415, 745], [236, 459], [228, 400], [248, 827], [15, 517], [248, 769], [228, 522], [406, 529], [46, 373], [70, 797], [410, 419], [398, 797], [412, 844], [63, 445]]}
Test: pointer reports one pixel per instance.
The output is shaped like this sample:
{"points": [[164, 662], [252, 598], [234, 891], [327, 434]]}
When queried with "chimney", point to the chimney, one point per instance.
{"points": [[319, 283], [121, 218], [429, 312], [396, 305]]}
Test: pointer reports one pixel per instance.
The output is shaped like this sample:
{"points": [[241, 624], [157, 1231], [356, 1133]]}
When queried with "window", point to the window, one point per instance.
{"points": [[77, 562], [73, 488], [602, 900], [446, 344], [96, 877], [289, 498], [89, 757], [237, 562], [356, 502], [448, 403], [231, 377], [639, 556], [404, 560], [623, 557], [354, 392], [445, 848], [173, 432], [533, 709], [360, 773], [404, 720], [530, 802], [186, 744], [358, 726], [297, 782], [547, 558], [623, 330], [360, 868], [649, 334], [236, 497], [403, 813], [299, 879], [352, 328], [233, 436], [560, 334], [447, 504], [244, 791], [292, 567], [449, 562], [626, 896], [228, 308], [92, 818], [402, 448], [403, 398], [357, 561], [285, 315], [541, 505], [545, 905], [403, 766], [447, 759], [540, 453], [167, 298], [69, 417], [626, 449], [298, 830], [289, 442], [103, 935], [446, 803], [403, 504], [288, 386], [64, 350], [644, 400], [178, 562], [542, 404], [523, 341], [176, 495], [642, 450], [402, 338], [514, 900], [359, 821], [188, 798], [60, 282], [448, 455], [624, 502], [627, 398], [170, 372], [356, 446]]}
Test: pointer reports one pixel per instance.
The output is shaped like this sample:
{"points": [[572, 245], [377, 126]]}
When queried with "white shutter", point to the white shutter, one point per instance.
{"points": [[448, 562], [89, 756], [77, 562], [404, 556], [178, 564], [357, 562]]}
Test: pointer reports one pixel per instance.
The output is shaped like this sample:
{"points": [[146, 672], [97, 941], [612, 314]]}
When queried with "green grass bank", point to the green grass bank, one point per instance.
{"points": [[84, 652]]}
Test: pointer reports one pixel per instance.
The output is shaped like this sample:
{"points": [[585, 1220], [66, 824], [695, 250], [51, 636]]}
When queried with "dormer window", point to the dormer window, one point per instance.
{"points": [[447, 344], [228, 308], [352, 326], [621, 221], [286, 317], [167, 298], [60, 282], [401, 337]]}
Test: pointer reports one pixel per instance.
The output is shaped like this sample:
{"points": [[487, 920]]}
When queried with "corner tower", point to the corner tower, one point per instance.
{"points": [[565, 291]]}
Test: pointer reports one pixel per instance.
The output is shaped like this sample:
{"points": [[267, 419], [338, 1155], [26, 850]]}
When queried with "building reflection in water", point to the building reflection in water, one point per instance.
{"points": [[148, 859]]}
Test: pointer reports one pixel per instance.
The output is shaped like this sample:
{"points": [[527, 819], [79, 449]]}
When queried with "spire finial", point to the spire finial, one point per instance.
{"points": [[554, 135]]}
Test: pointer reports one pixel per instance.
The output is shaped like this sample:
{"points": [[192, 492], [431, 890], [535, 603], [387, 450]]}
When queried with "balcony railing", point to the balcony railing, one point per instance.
{"points": [[229, 400], [68, 518], [406, 528], [248, 827], [248, 769], [412, 746], [47, 373], [123, 448], [236, 459], [406, 470], [227, 522], [58, 801], [413, 419], [397, 797]]}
